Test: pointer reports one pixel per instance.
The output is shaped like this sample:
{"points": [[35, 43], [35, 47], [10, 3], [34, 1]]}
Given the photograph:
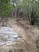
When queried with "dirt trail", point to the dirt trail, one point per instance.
{"points": [[25, 32]]}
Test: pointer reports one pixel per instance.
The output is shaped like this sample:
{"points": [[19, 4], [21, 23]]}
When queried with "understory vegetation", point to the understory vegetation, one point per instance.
{"points": [[28, 9]]}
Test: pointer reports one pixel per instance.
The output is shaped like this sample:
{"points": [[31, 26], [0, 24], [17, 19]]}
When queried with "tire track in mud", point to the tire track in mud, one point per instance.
{"points": [[28, 32], [25, 28]]}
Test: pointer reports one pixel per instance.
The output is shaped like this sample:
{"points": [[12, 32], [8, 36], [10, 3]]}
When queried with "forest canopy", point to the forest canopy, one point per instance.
{"points": [[23, 8], [5, 7]]}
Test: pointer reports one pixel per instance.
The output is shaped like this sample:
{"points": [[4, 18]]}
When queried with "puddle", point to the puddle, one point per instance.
{"points": [[7, 36]]}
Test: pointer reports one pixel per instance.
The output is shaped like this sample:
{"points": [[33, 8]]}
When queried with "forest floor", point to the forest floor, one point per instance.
{"points": [[28, 35]]}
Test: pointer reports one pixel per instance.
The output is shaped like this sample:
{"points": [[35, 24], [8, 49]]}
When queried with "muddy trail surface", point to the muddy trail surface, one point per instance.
{"points": [[25, 31], [27, 34], [30, 37]]}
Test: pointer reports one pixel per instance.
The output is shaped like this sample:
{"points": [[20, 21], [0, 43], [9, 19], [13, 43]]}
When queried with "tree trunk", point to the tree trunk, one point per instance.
{"points": [[12, 14], [32, 23], [32, 18]]}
